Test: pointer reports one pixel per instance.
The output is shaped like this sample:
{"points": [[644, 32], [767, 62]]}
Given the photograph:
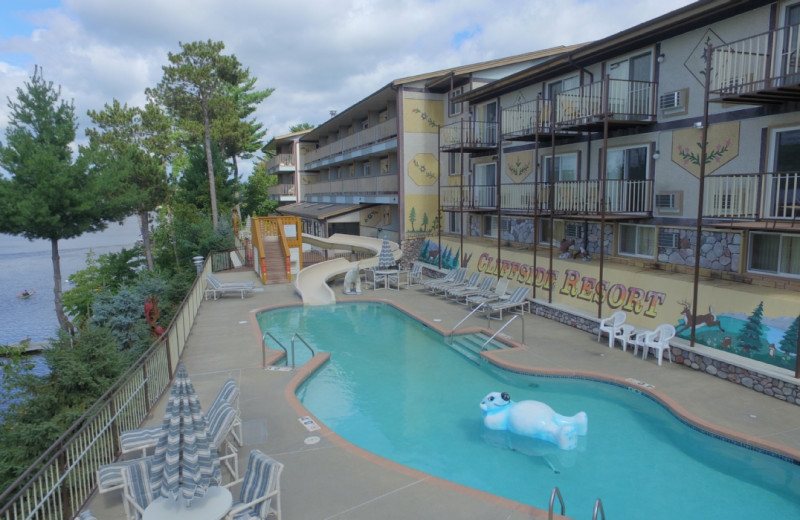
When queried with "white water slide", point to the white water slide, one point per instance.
{"points": [[312, 282]]}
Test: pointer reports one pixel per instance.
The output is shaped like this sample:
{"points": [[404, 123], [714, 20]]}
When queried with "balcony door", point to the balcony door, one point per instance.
{"points": [[629, 87], [785, 186], [790, 53], [485, 185], [486, 125], [626, 179]]}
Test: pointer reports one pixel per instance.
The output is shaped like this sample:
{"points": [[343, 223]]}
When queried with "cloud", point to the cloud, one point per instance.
{"points": [[318, 55]]}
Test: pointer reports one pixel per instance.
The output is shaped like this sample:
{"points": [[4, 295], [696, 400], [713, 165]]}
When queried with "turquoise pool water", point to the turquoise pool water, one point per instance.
{"points": [[395, 389]]}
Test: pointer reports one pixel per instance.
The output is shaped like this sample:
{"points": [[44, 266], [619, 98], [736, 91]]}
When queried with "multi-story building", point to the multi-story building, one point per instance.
{"points": [[374, 167], [626, 162], [283, 163]]}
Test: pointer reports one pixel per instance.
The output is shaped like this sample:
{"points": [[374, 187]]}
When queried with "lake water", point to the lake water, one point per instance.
{"points": [[26, 264]]}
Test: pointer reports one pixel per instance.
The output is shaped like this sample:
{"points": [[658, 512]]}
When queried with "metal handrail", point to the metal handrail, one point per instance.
{"points": [[483, 347], [465, 318], [298, 336], [598, 506], [553, 495], [264, 349]]}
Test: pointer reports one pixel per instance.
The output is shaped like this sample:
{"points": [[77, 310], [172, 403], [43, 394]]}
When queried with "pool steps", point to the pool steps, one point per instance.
{"points": [[470, 345]]}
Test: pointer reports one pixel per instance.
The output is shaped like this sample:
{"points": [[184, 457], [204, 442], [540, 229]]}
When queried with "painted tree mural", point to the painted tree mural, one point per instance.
{"points": [[751, 338], [789, 341]]}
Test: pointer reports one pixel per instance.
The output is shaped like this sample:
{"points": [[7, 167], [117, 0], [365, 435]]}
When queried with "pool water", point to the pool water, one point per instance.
{"points": [[394, 388]]}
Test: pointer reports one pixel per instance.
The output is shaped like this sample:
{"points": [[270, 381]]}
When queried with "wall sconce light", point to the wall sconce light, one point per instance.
{"points": [[698, 124], [660, 58], [656, 155]]}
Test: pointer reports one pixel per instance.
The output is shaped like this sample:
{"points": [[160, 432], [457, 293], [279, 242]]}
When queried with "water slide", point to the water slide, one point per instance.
{"points": [[312, 282]]}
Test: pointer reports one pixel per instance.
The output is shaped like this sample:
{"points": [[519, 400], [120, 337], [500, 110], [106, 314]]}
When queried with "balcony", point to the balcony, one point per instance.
{"points": [[768, 196], [630, 103], [476, 137], [282, 192], [376, 139], [379, 189], [283, 162], [531, 121], [761, 69], [622, 197]]}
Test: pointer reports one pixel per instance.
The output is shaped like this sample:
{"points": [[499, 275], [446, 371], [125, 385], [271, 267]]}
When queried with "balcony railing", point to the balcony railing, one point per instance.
{"points": [[372, 185], [280, 162], [526, 120], [764, 68], [769, 196], [568, 197], [628, 101], [367, 137], [281, 189], [469, 136]]}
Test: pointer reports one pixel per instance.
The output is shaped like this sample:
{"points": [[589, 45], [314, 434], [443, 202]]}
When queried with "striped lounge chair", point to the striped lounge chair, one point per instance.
{"points": [[261, 489], [517, 300]]}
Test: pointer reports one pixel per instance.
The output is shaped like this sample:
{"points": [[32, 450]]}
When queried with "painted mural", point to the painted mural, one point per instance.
{"points": [[722, 146], [743, 321], [519, 165], [422, 213], [432, 254], [423, 115]]}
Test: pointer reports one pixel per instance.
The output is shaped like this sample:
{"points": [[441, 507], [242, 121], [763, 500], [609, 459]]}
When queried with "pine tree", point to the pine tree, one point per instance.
{"points": [[789, 340], [752, 336]]}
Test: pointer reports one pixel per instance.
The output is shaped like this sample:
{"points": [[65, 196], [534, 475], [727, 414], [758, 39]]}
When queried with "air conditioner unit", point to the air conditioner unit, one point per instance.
{"points": [[668, 202], [668, 239], [670, 100]]}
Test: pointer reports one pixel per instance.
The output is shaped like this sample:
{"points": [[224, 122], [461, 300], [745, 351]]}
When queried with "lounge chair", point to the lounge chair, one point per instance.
{"points": [[261, 489], [457, 279], [446, 278], [464, 282], [482, 286], [658, 340], [147, 437], [613, 326], [215, 287], [489, 296], [517, 300], [415, 276]]}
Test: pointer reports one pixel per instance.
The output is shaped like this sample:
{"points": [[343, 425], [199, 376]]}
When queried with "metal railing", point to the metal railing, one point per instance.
{"points": [[298, 336], [264, 349], [752, 196], [627, 100], [553, 495], [58, 483], [465, 318], [369, 136], [506, 324], [468, 134], [598, 508]]}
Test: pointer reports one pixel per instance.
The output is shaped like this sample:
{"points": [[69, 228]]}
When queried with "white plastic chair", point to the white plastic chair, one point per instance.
{"points": [[658, 340], [612, 326]]}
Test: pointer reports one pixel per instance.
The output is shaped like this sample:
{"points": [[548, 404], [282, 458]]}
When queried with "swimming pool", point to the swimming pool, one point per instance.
{"points": [[393, 387]]}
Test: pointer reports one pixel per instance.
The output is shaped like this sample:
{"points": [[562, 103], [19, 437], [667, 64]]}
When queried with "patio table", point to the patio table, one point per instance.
{"points": [[211, 506]]}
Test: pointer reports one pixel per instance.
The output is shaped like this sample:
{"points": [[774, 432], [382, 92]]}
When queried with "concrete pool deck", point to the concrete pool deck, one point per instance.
{"points": [[329, 479]]}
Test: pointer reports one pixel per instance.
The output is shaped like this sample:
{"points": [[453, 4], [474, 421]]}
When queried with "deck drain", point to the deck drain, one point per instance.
{"points": [[311, 440], [437, 320], [244, 322]]}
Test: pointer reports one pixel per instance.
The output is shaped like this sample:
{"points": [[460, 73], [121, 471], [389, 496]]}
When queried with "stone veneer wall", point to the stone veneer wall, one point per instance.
{"points": [[768, 385]]}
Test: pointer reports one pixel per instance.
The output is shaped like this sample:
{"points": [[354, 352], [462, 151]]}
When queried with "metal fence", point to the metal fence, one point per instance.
{"points": [[60, 481]]}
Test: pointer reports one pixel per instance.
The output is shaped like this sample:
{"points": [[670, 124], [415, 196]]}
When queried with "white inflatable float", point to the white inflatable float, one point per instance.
{"points": [[533, 419]]}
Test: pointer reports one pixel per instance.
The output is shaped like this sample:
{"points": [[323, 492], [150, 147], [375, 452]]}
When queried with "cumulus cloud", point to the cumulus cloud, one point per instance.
{"points": [[318, 55]]}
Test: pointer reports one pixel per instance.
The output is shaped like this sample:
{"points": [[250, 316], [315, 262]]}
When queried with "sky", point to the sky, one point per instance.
{"points": [[318, 55]]}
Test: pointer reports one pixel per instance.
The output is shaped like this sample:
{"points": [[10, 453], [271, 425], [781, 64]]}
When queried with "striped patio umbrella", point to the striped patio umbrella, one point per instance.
{"points": [[185, 463], [386, 258]]}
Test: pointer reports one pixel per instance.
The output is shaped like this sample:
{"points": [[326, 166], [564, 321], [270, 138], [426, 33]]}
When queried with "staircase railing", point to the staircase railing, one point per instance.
{"points": [[483, 347], [465, 318], [555, 494], [297, 336], [264, 349], [598, 508]]}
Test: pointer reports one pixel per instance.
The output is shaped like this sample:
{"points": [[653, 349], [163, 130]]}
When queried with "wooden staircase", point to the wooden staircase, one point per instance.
{"points": [[276, 262]]}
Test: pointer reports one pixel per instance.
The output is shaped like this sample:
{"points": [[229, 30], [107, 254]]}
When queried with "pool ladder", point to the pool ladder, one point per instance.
{"points": [[556, 493], [285, 352]]}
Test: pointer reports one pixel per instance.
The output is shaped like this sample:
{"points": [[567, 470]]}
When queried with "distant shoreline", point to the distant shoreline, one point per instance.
{"points": [[29, 348]]}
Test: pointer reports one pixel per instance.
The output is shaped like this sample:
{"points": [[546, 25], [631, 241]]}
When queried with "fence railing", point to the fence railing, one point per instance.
{"points": [[770, 196], [58, 483], [468, 134], [628, 100]]}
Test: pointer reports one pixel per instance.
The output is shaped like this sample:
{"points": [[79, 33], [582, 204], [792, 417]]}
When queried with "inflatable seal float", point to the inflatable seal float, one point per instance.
{"points": [[532, 419]]}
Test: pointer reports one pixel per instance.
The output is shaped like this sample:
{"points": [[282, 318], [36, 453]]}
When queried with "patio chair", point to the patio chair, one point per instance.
{"points": [[467, 282], [517, 300], [658, 340], [109, 476], [221, 422], [482, 286], [458, 279], [415, 276], [217, 281], [141, 439], [137, 489], [260, 494], [397, 280], [613, 326], [215, 287], [446, 278], [489, 296], [86, 515]]}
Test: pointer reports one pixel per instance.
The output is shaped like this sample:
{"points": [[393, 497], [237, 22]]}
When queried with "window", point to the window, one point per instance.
{"points": [[454, 108], [774, 253], [453, 222], [545, 237], [490, 226], [367, 169], [637, 240], [454, 167], [566, 168], [627, 163]]}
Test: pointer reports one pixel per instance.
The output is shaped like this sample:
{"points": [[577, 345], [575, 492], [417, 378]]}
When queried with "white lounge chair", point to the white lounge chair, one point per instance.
{"points": [[482, 286], [658, 340], [457, 284], [457, 279], [612, 326], [517, 300], [215, 287], [446, 278], [489, 296]]}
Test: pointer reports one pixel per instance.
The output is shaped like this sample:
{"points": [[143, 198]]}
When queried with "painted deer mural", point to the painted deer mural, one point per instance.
{"points": [[703, 320]]}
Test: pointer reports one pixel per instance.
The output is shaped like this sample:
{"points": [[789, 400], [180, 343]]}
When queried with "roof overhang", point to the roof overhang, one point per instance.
{"points": [[320, 210]]}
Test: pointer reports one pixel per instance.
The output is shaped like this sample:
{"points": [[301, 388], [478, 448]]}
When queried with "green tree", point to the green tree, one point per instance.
{"points": [[301, 127], [195, 90], [256, 192], [193, 186], [789, 340], [129, 133], [751, 337], [412, 217], [49, 196]]}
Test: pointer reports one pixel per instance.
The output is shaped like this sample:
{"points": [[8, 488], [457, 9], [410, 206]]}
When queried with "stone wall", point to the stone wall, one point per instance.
{"points": [[747, 377]]}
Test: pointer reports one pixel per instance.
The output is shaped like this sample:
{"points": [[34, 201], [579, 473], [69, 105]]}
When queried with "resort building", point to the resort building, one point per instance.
{"points": [[284, 151], [375, 166]]}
